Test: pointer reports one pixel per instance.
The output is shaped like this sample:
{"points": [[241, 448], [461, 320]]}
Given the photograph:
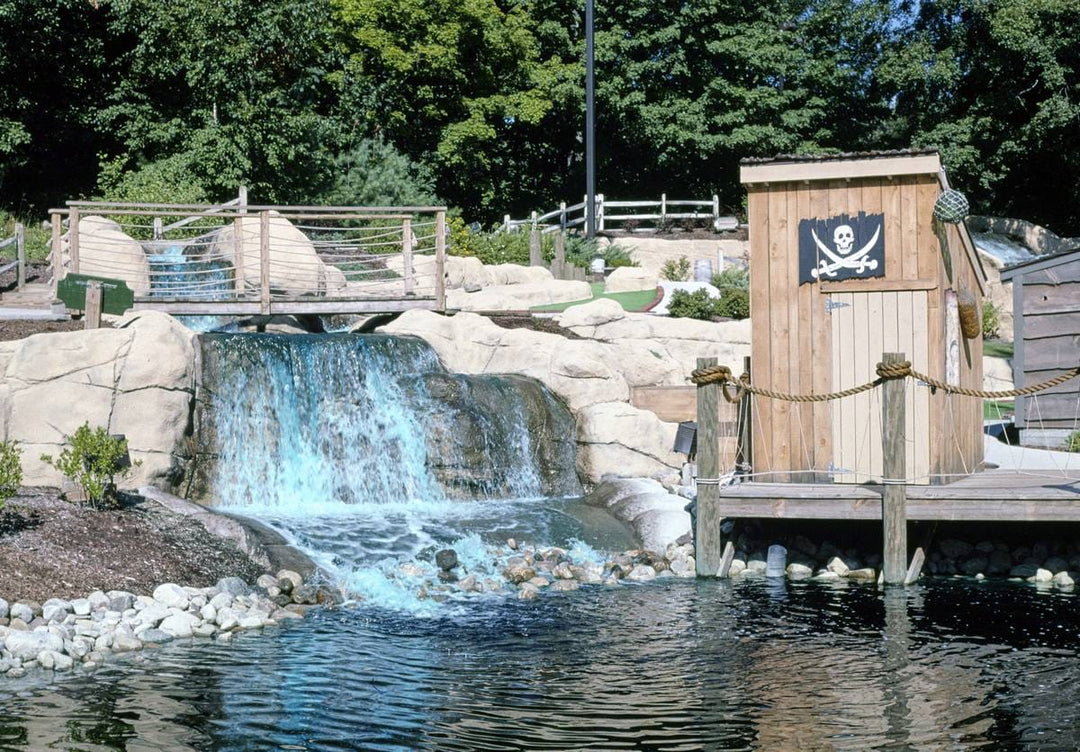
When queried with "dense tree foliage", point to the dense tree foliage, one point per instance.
{"points": [[479, 103]]}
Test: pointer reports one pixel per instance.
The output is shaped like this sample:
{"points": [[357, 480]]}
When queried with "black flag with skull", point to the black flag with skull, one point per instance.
{"points": [[841, 247]]}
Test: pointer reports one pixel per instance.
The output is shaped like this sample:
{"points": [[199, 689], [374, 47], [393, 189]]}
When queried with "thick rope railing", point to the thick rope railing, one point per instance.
{"points": [[885, 372]]}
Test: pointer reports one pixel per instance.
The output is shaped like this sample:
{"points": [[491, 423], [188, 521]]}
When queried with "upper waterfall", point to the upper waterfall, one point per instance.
{"points": [[297, 420]]}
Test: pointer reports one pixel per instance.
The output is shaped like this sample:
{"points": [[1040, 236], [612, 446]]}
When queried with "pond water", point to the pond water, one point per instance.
{"points": [[672, 664]]}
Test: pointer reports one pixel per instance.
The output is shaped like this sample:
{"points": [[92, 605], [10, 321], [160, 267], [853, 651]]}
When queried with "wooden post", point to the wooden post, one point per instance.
{"points": [[894, 472], [57, 255], [536, 255], [73, 240], [407, 256], [92, 312], [506, 223], [708, 545], [440, 261], [716, 215], [243, 199], [558, 266], [600, 212], [743, 451], [264, 262], [159, 228], [663, 209], [20, 255], [562, 215], [238, 257]]}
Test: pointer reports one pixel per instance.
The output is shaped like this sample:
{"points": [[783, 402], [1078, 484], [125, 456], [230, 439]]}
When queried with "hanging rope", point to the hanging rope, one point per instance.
{"points": [[885, 372]]}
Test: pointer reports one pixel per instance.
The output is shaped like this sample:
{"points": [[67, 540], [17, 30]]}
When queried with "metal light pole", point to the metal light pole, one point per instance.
{"points": [[590, 127]]}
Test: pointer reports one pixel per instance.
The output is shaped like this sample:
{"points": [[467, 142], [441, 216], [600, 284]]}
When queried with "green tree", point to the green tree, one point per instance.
{"points": [[225, 92]]}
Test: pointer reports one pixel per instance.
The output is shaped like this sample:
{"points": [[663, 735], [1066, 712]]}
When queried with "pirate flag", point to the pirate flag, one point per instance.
{"points": [[841, 247]]}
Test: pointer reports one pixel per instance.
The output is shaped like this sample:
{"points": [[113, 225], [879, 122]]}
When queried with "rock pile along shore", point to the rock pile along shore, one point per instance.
{"points": [[1051, 562], [529, 571], [61, 634]]}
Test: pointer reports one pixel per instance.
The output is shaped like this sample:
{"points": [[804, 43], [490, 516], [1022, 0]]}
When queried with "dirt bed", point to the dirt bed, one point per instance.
{"points": [[18, 329], [50, 548]]}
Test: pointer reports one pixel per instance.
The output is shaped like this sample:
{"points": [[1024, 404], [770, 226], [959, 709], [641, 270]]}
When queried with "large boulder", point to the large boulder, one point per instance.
{"points": [[657, 517], [652, 253], [137, 379], [107, 251], [618, 439], [630, 279], [516, 274], [682, 341], [518, 296], [295, 267]]}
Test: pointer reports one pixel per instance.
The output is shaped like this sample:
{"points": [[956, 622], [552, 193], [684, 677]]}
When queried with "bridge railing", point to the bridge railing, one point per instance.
{"points": [[236, 259], [659, 213], [18, 239]]}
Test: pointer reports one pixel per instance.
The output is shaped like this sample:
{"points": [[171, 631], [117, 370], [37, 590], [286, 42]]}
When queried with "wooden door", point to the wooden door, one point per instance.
{"points": [[865, 325]]}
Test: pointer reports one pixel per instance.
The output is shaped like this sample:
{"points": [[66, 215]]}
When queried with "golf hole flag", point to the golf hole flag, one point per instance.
{"points": [[842, 247]]}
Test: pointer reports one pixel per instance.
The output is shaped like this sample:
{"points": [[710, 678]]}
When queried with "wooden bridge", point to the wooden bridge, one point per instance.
{"points": [[235, 259]]}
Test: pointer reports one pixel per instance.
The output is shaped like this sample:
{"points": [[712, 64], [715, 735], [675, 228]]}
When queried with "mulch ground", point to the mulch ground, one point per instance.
{"points": [[51, 548], [536, 324], [18, 329]]}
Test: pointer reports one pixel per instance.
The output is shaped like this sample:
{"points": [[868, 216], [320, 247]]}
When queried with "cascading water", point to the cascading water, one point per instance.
{"points": [[366, 453], [176, 273]]}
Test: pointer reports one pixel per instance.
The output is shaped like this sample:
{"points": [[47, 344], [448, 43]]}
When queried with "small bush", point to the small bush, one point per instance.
{"points": [[734, 303], [735, 277], [692, 305], [10, 470], [991, 319], [93, 461], [1072, 443], [676, 270]]}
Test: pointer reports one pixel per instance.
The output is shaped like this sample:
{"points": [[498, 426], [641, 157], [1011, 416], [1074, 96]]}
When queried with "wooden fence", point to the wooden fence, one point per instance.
{"points": [[19, 264], [239, 259], [663, 211]]}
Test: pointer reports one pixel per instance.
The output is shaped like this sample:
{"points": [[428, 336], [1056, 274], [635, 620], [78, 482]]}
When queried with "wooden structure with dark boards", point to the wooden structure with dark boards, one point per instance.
{"points": [[847, 263], [1046, 330]]}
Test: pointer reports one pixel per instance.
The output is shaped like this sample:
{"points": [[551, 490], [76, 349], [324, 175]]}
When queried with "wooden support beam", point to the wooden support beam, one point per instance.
{"points": [[743, 451], [558, 266], [20, 255], [440, 261], [407, 256], [536, 256], [238, 257], [92, 312], [726, 559], [894, 472], [55, 221], [73, 240], [707, 534], [917, 561], [264, 262]]}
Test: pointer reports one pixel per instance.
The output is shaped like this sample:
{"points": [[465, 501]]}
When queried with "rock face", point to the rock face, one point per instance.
{"points": [[585, 374], [519, 296], [107, 251], [137, 379], [630, 279], [651, 253], [295, 267], [679, 341]]}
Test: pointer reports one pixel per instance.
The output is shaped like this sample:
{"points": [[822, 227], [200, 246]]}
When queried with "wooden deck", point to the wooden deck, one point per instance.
{"points": [[992, 496]]}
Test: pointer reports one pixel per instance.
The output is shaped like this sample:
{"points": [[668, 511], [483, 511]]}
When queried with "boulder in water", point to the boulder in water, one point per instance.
{"points": [[446, 559]]}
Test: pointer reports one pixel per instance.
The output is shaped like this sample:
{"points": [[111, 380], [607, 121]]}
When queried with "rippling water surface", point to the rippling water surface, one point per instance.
{"points": [[669, 665]]}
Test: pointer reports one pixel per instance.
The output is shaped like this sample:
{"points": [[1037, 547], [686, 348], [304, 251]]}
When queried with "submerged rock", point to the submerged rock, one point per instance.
{"points": [[446, 559]]}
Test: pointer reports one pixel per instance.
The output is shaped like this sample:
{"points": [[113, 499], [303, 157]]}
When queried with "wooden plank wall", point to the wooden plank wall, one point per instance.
{"points": [[1051, 343], [793, 332]]}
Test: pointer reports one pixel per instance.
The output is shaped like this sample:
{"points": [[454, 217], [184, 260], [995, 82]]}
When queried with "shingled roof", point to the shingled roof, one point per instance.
{"points": [[838, 156]]}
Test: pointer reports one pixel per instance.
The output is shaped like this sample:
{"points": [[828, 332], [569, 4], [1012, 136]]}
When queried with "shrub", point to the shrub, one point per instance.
{"points": [[734, 303], [1072, 443], [93, 462], [692, 305], [676, 270], [10, 470], [736, 277], [991, 319]]}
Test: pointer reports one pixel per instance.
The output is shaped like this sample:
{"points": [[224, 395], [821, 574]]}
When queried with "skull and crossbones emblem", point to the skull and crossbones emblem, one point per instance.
{"points": [[843, 258]]}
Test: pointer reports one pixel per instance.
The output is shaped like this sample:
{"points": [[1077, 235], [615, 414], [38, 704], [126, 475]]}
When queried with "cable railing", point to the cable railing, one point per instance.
{"points": [[660, 213], [240, 259]]}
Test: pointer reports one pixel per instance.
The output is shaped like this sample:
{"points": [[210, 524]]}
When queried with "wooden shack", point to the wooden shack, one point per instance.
{"points": [[1046, 331], [847, 263]]}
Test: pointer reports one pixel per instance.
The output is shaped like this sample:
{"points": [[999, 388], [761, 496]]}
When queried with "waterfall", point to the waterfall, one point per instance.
{"points": [[299, 421]]}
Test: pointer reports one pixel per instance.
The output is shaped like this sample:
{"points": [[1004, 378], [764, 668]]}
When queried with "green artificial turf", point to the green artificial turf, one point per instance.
{"points": [[997, 409], [630, 301]]}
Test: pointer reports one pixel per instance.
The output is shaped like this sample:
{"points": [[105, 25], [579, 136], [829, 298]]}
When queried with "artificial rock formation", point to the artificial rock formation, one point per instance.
{"points": [[137, 379], [107, 251]]}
